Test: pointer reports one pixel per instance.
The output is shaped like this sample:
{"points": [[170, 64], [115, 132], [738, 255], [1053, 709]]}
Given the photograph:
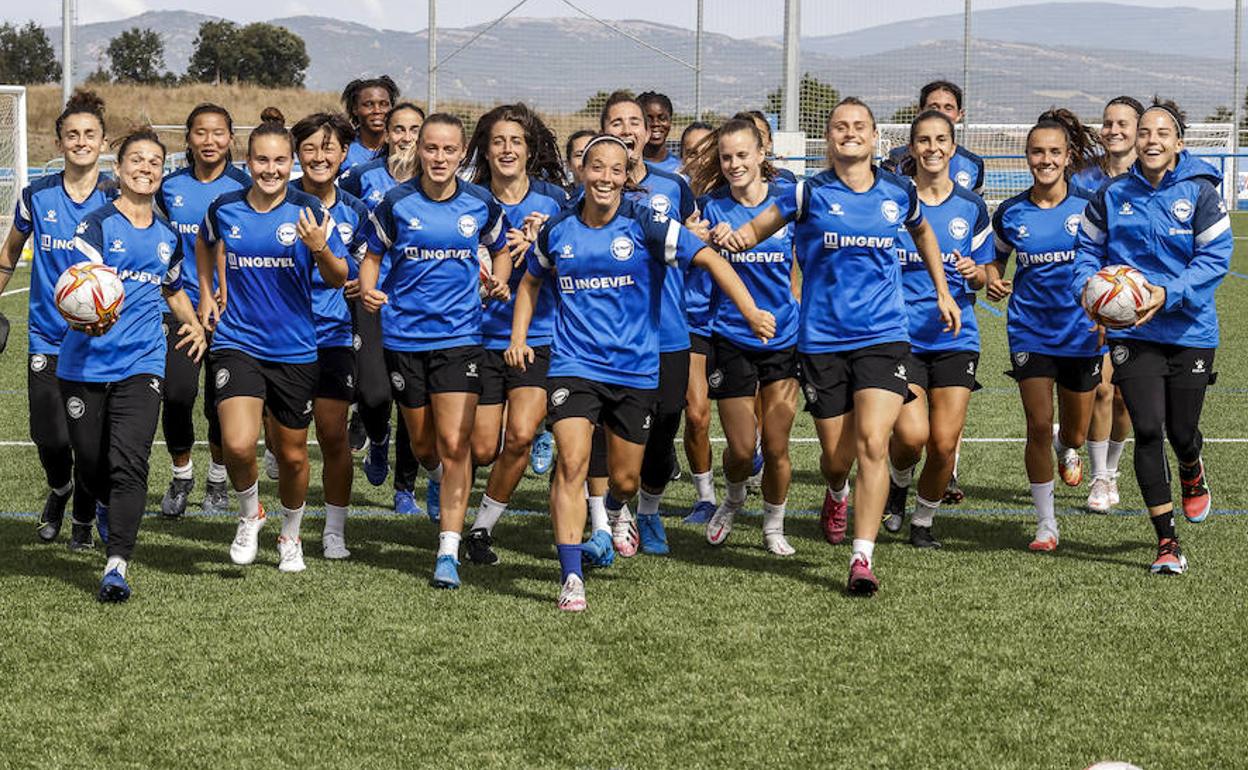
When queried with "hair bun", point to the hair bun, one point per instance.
{"points": [[272, 115]]}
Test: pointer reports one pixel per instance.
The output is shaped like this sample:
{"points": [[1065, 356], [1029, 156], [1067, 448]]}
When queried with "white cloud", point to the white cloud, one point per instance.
{"points": [[89, 11]]}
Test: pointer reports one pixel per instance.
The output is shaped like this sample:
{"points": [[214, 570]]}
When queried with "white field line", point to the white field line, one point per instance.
{"points": [[22, 290]]}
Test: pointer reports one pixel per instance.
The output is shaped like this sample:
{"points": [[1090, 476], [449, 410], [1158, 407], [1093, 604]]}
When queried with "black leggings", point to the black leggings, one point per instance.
{"points": [[181, 389], [1160, 410], [49, 432], [659, 460], [111, 427], [374, 397]]}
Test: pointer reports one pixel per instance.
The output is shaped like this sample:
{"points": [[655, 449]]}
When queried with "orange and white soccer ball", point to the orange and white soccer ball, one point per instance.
{"points": [[1115, 295], [88, 293]]}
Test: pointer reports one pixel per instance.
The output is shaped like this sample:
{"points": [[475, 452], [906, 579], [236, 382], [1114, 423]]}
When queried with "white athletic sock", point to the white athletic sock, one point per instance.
{"points": [[773, 518], [216, 472], [735, 495], [291, 519], [1097, 453], [598, 514], [1114, 456], [841, 494], [902, 477], [924, 511], [863, 548], [448, 544], [65, 490], [488, 514], [248, 501], [704, 484], [184, 471], [116, 563], [335, 519], [435, 474], [1042, 498], [647, 503]]}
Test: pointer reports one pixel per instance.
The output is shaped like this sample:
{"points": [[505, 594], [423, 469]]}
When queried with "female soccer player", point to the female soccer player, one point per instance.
{"points": [[430, 229], [741, 183], [853, 342], [764, 128], [690, 140], [573, 152], [368, 102], [516, 158], [942, 367], [110, 373], [1049, 338], [321, 142], [263, 244], [49, 209], [658, 113], [966, 168], [1165, 218], [183, 199], [610, 257]]}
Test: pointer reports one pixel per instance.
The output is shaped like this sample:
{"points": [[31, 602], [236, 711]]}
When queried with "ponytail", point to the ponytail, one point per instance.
{"points": [[1082, 140]]}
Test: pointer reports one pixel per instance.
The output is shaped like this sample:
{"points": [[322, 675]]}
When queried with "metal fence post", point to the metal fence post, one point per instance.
{"points": [[966, 64], [697, 67], [432, 99], [1237, 106], [789, 117]]}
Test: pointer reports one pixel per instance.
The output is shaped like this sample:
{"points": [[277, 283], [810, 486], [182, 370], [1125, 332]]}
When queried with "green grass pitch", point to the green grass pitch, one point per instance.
{"points": [[982, 655]]}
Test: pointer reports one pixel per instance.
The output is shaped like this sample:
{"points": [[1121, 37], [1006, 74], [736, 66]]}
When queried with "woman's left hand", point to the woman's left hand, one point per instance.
{"points": [[1156, 301], [314, 236], [193, 339]]}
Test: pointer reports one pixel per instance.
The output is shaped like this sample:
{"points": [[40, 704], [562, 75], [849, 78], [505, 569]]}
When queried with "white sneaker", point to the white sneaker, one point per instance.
{"points": [[572, 595], [290, 553], [247, 539], [720, 526], [777, 544], [334, 546], [624, 534], [270, 465], [1098, 495], [1113, 490]]}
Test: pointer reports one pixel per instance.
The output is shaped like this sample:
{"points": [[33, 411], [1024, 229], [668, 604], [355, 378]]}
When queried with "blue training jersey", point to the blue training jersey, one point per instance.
{"points": [[357, 154], [47, 213], [1086, 181], [845, 243], [671, 164], [545, 198], [329, 305], [766, 270], [1043, 315], [434, 279], [611, 291], [669, 195], [370, 182], [268, 276], [965, 167], [962, 227], [184, 201], [149, 261]]}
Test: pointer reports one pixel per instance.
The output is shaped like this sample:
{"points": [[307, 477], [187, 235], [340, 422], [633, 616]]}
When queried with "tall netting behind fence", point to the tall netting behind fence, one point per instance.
{"points": [[12, 152]]}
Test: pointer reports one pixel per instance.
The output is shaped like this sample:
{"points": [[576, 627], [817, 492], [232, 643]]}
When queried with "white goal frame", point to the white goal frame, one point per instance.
{"points": [[20, 172]]}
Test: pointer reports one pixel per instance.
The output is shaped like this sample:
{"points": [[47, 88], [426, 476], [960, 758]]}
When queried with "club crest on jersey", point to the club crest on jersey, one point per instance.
{"points": [[559, 396], [959, 227], [415, 224], [1182, 209], [397, 381], [661, 204], [1072, 224], [117, 246], [75, 407], [963, 178], [286, 234], [716, 379], [50, 216], [1020, 359], [622, 248], [38, 362], [345, 231], [891, 211], [165, 252], [1119, 355], [222, 378], [467, 225]]}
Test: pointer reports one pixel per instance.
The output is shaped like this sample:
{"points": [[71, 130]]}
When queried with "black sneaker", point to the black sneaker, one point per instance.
{"points": [[895, 507], [53, 514], [173, 505], [921, 537], [477, 547], [80, 537], [357, 437]]}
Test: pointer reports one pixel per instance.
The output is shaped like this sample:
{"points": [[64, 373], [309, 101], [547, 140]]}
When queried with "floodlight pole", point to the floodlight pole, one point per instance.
{"points": [[789, 116], [1237, 107], [966, 64], [697, 67], [432, 32], [67, 47]]}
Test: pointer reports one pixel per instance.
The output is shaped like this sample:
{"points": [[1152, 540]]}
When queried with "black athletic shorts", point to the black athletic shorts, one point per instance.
{"points": [[1078, 374], [287, 389], [1181, 367], [738, 372], [944, 369], [415, 375], [829, 380], [700, 343], [673, 382], [627, 412], [336, 378], [498, 379]]}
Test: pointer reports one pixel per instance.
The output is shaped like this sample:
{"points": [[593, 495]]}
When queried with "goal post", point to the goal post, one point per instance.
{"points": [[13, 171]]}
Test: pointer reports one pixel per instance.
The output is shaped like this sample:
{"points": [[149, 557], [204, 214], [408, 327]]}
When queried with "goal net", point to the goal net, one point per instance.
{"points": [[12, 152]]}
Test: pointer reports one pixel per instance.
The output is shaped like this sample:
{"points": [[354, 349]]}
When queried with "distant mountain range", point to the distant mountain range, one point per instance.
{"points": [[1024, 58]]}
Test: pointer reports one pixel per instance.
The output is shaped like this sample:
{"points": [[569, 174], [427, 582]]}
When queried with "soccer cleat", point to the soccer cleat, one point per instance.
{"points": [[433, 501], [1069, 464], [478, 547], [405, 503], [290, 555], [624, 534], [173, 504], [777, 544], [52, 516], [598, 550], [720, 526], [270, 465], [895, 507], [921, 537], [834, 518], [334, 546], [1170, 559], [216, 498], [572, 595], [377, 462], [101, 522], [357, 437], [80, 538], [862, 581], [542, 453], [1113, 490], [1045, 540], [113, 588], [1197, 501], [700, 513], [953, 492], [652, 535], [247, 539], [445, 572], [1099, 500]]}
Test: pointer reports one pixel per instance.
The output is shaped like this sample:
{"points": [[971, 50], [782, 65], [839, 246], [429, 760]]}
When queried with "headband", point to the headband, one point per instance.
{"points": [[600, 138], [1173, 113]]}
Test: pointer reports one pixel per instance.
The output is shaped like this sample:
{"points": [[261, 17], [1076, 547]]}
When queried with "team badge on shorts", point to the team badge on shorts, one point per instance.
{"points": [[812, 393], [223, 377], [1119, 355], [350, 381], [356, 342], [286, 234], [154, 384], [164, 329], [1020, 359], [716, 379], [397, 381], [645, 424], [38, 362], [75, 407], [559, 396]]}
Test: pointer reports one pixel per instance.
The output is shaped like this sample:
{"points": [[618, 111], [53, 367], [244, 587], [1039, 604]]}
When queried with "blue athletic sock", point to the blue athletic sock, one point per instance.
{"points": [[569, 561], [611, 503]]}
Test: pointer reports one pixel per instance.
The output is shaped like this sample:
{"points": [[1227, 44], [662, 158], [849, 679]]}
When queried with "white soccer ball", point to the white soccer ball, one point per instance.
{"points": [[1115, 295], [88, 293]]}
